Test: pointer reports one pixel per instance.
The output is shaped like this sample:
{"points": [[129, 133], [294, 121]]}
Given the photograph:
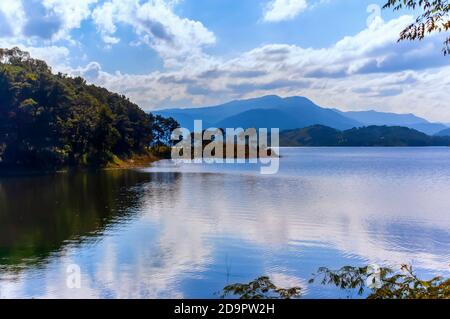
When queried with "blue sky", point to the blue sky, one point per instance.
{"points": [[164, 53]]}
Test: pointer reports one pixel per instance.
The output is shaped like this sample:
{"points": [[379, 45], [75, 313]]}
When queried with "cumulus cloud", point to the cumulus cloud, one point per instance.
{"points": [[58, 57], [43, 27], [70, 12], [50, 20], [279, 10], [12, 16], [103, 18], [366, 70], [90, 72], [177, 40]]}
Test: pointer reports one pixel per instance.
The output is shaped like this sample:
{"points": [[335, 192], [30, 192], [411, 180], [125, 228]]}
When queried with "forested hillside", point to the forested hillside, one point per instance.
{"points": [[319, 135], [51, 120]]}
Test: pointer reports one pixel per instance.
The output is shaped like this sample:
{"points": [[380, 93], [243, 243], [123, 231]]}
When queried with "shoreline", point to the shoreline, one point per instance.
{"points": [[136, 161]]}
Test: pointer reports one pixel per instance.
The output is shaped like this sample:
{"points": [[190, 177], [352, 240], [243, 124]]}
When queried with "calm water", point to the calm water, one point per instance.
{"points": [[187, 231]]}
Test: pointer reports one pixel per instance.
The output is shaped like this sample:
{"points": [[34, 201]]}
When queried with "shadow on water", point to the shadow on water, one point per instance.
{"points": [[39, 215]]}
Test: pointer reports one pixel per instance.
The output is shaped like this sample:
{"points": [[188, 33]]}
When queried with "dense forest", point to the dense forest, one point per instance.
{"points": [[319, 135], [52, 120]]}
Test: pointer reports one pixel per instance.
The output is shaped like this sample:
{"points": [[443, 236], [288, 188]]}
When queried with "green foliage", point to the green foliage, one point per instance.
{"points": [[319, 135], [261, 288], [163, 130], [50, 120], [348, 277], [389, 284], [403, 285], [434, 17]]}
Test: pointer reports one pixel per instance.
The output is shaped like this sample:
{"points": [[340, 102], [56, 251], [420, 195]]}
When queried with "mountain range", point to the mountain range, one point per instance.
{"points": [[293, 113]]}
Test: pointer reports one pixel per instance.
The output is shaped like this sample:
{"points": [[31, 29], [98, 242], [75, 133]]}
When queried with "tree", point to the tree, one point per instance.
{"points": [[435, 17], [52, 120], [163, 128]]}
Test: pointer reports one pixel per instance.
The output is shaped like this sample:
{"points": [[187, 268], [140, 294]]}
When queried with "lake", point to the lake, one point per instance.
{"points": [[173, 231]]}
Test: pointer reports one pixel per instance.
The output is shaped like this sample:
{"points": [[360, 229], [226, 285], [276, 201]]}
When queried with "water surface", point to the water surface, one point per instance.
{"points": [[188, 230]]}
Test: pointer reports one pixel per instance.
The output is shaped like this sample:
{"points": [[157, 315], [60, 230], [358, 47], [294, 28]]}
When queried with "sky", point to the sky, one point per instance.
{"points": [[182, 53]]}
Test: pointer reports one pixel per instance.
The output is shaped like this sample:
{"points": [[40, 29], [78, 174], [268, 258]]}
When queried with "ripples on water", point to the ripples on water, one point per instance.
{"points": [[188, 230]]}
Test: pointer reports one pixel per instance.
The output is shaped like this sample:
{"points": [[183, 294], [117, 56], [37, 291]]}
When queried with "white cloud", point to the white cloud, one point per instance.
{"points": [[56, 56], [366, 70], [70, 12], [29, 22], [14, 15], [279, 10], [177, 40], [103, 18]]}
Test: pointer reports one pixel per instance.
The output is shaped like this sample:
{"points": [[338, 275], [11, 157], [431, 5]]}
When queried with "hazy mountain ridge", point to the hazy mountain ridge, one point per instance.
{"points": [[292, 113], [445, 132], [393, 119], [288, 113], [319, 135]]}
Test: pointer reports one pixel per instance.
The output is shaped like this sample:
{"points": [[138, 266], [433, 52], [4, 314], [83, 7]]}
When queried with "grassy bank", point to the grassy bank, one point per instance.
{"points": [[135, 160]]}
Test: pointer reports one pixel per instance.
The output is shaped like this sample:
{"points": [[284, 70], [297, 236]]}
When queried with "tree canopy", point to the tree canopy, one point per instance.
{"points": [[434, 17], [51, 120]]}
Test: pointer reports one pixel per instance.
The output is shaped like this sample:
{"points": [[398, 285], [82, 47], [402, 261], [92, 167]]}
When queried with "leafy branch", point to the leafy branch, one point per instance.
{"points": [[403, 285], [387, 285], [434, 17], [260, 288]]}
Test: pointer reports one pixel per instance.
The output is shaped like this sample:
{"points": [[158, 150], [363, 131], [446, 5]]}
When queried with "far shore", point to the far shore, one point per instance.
{"points": [[139, 161]]}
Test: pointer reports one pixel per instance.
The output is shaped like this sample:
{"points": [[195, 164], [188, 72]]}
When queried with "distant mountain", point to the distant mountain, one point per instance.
{"points": [[260, 118], [429, 128], [445, 132], [319, 135], [268, 111], [383, 118], [292, 113], [368, 118]]}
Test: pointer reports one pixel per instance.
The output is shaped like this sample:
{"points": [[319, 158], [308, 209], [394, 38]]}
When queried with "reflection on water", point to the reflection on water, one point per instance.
{"points": [[38, 215], [187, 231]]}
